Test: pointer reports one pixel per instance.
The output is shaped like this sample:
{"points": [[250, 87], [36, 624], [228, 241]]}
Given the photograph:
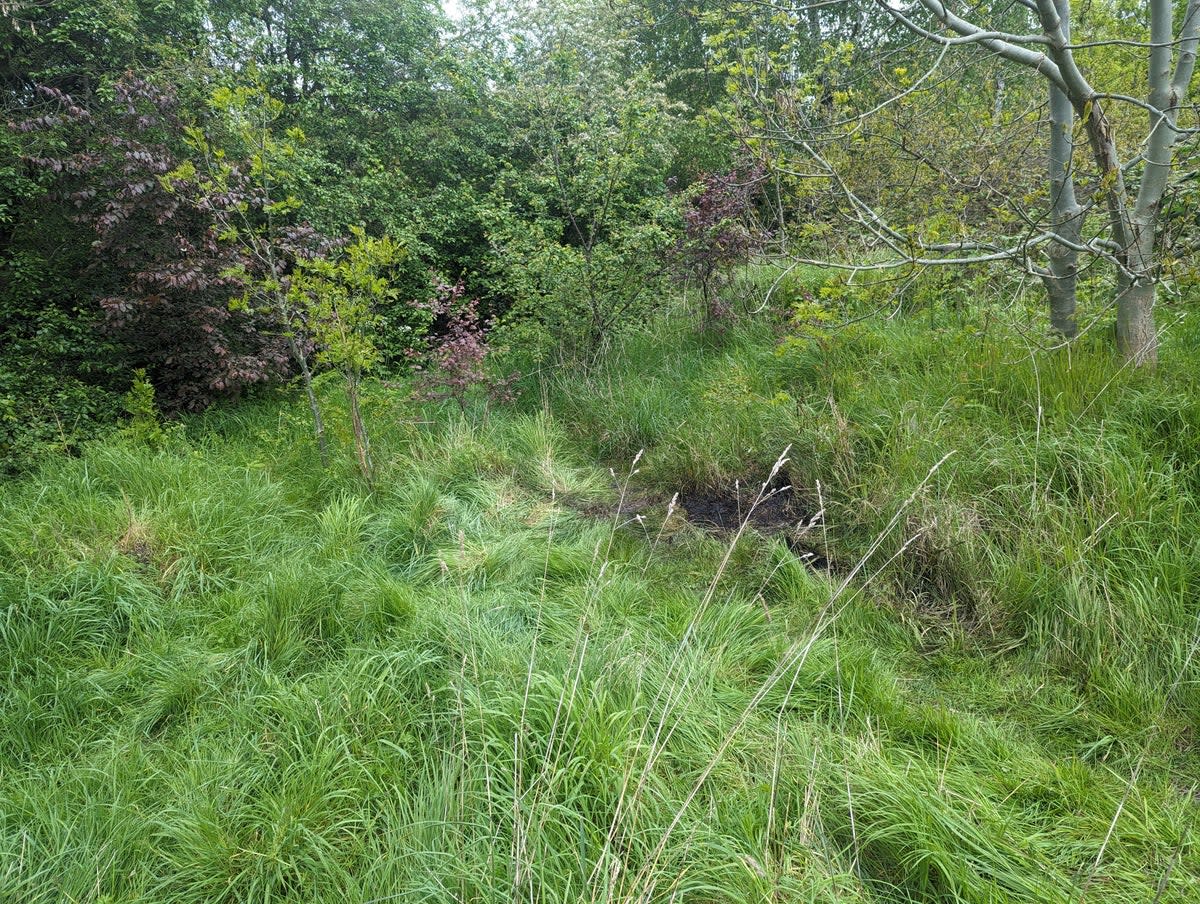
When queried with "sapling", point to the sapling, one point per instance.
{"points": [[242, 181], [338, 299], [717, 233], [454, 358]]}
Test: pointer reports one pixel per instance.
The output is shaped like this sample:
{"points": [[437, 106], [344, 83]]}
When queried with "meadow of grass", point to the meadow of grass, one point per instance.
{"points": [[230, 676]]}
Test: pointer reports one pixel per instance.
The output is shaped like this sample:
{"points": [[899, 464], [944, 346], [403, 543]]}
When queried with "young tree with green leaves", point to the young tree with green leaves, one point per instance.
{"points": [[338, 299], [243, 174], [1168, 48]]}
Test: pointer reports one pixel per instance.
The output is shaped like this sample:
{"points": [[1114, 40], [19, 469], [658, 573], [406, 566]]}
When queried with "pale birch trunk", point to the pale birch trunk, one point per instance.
{"points": [[1066, 216], [1133, 227]]}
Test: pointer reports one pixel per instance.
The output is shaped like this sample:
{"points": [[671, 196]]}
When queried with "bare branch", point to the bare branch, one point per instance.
{"points": [[1003, 44], [1155, 113]]}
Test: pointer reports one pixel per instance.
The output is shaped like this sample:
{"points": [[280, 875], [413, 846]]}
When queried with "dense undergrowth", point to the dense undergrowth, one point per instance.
{"points": [[231, 676]]}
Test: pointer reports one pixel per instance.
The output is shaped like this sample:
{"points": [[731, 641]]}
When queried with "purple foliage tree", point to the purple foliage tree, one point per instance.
{"points": [[717, 231], [454, 360], [167, 286]]}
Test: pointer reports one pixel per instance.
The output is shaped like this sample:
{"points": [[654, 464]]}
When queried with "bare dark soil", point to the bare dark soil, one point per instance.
{"points": [[781, 512]]}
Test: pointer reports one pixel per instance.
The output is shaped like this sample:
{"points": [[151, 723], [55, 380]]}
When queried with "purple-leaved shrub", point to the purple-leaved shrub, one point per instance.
{"points": [[717, 231], [455, 357]]}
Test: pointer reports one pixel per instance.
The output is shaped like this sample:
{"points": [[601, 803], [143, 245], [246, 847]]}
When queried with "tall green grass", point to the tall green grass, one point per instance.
{"points": [[230, 676], [1064, 521]]}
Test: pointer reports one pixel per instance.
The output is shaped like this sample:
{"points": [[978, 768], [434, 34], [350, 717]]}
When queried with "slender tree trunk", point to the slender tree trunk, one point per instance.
{"points": [[1062, 282], [1137, 338], [300, 356], [313, 405], [1133, 225], [1134, 229], [781, 215], [1067, 217], [362, 445], [1135, 293], [1133, 221]]}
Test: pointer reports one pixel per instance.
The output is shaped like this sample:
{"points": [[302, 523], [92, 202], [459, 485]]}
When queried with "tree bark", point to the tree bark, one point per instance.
{"points": [[1137, 338], [1067, 216], [362, 445], [1133, 221], [999, 85]]}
